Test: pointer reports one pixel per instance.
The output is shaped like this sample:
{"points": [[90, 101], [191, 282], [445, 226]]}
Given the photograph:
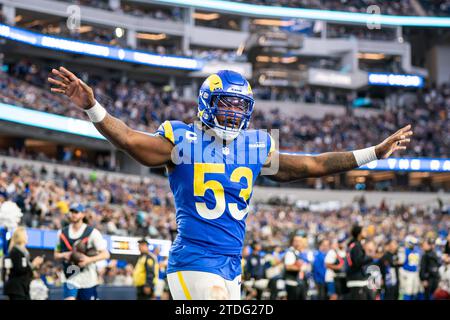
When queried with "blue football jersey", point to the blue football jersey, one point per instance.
{"points": [[412, 259], [212, 183]]}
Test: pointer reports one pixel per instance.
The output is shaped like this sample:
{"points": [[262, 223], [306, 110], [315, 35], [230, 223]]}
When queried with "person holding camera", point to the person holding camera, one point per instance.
{"points": [[19, 273], [80, 247]]}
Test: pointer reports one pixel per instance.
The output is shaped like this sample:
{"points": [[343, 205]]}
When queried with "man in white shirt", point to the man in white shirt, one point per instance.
{"points": [[80, 247], [334, 261]]}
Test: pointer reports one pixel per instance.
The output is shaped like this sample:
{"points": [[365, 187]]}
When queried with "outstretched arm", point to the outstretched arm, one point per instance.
{"points": [[147, 149], [294, 167]]}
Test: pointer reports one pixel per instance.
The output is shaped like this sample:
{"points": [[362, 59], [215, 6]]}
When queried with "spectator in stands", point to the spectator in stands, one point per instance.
{"points": [[144, 105], [443, 291]]}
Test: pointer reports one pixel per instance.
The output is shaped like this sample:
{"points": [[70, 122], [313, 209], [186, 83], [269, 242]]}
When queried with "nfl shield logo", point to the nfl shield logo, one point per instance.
{"points": [[226, 151]]}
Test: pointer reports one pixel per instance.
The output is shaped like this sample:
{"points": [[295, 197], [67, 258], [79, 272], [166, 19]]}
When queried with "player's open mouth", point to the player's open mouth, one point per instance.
{"points": [[229, 122], [231, 111]]}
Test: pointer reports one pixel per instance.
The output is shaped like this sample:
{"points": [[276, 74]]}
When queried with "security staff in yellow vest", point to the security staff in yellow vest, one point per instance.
{"points": [[145, 273]]}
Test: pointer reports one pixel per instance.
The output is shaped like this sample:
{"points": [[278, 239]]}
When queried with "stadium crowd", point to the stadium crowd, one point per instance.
{"points": [[116, 207], [144, 106], [108, 35], [145, 208], [436, 7], [102, 35]]}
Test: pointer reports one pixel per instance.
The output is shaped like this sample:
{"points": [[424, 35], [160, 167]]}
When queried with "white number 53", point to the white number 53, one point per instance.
{"points": [[201, 186]]}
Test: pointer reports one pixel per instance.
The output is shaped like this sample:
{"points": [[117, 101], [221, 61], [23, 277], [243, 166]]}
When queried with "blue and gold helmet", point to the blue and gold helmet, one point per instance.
{"points": [[225, 103]]}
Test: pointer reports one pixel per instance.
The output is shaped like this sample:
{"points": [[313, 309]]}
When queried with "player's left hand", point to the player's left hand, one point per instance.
{"points": [[397, 141], [84, 261]]}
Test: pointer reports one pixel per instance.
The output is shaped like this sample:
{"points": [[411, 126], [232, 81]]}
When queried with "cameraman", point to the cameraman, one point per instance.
{"points": [[80, 246]]}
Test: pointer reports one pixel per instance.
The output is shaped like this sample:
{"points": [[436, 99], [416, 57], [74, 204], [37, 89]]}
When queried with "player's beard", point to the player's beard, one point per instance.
{"points": [[229, 122], [75, 220]]}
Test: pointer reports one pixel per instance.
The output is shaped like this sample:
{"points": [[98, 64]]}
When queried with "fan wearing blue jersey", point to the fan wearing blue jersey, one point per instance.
{"points": [[213, 164]]}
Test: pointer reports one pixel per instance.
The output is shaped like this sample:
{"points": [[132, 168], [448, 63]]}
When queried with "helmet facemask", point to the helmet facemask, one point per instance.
{"points": [[230, 114]]}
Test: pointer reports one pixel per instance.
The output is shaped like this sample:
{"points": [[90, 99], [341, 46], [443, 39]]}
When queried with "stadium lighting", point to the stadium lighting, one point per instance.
{"points": [[311, 14], [371, 56], [206, 16], [288, 59], [84, 29], [119, 32], [392, 79], [151, 36], [271, 22], [99, 50], [276, 59]]}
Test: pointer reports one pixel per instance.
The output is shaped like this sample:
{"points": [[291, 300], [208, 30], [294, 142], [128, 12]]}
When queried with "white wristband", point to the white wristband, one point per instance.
{"points": [[97, 113], [364, 156]]}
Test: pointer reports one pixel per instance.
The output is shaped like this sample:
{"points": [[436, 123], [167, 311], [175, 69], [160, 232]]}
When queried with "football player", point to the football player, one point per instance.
{"points": [[409, 257], [213, 164]]}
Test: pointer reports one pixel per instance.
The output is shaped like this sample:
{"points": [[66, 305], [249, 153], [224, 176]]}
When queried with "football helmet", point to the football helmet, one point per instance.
{"points": [[411, 241], [225, 103]]}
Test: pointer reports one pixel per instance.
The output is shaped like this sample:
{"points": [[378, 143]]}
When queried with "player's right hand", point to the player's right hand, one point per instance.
{"points": [[71, 86]]}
